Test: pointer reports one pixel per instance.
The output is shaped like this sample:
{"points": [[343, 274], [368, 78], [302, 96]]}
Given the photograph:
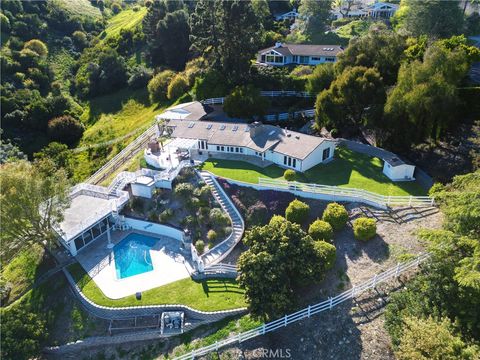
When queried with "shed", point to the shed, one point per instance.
{"points": [[398, 170], [143, 187]]}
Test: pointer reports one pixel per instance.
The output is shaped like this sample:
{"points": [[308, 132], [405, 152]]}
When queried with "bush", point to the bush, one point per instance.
{"points": [[213, 84], [200, 246], [177, 87], [336, 215], [289, 175], [37, 46], [218, 217], [212, 235], [184, 190], [320, 79], [157, 86], [165, 215], [297, 212], [116, 8], [364, 228], [302, 71], [257, 213], [321, 230], [80, 40], [327, 252], [139, 77], [245, 102], [65, 129]]}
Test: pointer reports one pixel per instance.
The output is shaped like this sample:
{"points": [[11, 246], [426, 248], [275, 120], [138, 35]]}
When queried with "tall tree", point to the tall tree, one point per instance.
{"points": [[167, 33], [226, 34], [435, 18], [355, 98], [314, 16], [32, 200], [380, 48]]}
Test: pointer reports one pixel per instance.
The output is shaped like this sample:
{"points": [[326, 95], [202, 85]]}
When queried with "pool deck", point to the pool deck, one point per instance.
{"points": [[98, 261]]}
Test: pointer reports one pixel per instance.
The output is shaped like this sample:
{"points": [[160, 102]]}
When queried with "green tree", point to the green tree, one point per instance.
{"points": [[297, 211], [177, 87], [435, 18], [280, 257], [33, 198], [225, 34], [23, 333], [336, 215], [158, 85], [245, 102], [37, 46], [356, 98], [59, 154], [314, 17], [65, 129], [380, 48], [320, 79]]}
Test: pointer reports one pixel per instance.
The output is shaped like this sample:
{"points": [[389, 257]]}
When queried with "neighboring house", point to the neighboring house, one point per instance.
{"points": [[286, 54], [397, 170], [268, 143], [291, 15], [187, 111], [377, 10]]}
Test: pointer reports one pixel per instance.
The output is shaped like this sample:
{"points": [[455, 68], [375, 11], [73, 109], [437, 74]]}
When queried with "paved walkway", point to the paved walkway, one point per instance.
{"points": [[220, 251]]}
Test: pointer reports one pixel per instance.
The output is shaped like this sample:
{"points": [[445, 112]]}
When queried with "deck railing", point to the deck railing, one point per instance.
{"points": [[309, 311]]}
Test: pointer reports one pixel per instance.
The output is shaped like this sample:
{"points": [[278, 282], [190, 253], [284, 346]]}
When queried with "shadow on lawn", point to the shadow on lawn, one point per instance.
{"points": [[220, 286]]}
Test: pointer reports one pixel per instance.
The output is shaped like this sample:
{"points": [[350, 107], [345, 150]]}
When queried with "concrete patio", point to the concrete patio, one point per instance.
{"points": [[99, 262]]}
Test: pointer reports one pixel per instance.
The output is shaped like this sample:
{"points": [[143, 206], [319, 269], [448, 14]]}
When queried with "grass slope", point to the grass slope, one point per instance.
{"points": [[126, 19], [80, 7], [206, 295], [349, 169]]}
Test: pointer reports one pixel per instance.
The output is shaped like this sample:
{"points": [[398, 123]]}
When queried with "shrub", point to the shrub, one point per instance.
{"points": [[177, 87], [139, 77], [257, 213], [321, 230], [165, 215], [37, 46], [289, 175], [212, 84], [364, 228], [336, 215], [297, 211], [245, 102], [157, 86], [212, 235], [65, 129], [218, 217], [327, 252], [200, 246], [184, 190], [302, 71], [116, 8], [80, 40], [5, 24]]}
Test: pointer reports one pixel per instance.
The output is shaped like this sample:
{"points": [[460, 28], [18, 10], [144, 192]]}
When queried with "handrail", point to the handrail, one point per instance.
{"points": [[309, 311]]}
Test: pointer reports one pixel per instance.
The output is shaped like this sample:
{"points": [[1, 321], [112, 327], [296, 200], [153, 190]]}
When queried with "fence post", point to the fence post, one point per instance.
{"points": [[375, 281], [397, 270], [285, 322], [263, 329], [432, 201], [308, 311], [388, 200], [353, 291], [331, 302]]}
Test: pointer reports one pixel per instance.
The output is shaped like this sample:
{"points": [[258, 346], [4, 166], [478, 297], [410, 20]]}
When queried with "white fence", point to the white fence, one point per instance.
{"points": [[309, 113], [266, 93], [346, 194], [309, 311], [121, 157]]}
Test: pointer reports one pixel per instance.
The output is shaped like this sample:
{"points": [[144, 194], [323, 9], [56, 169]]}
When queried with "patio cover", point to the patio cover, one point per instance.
{"points": [[180, 143]]}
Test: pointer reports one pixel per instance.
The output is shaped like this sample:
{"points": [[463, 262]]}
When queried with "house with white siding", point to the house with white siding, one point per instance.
{"points": [[298, 54], [376, 10], [266, 143]]}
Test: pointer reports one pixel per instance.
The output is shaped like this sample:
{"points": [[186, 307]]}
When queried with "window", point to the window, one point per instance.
{"points": [[223, 148], [231, 149], [316, 58], [294, 163], [218, 148], [326, 154], [303, 59], [295, 58], [263, 58], [289, 161], [237, 150], [284, 160], [329, 59], [241, 150], [78, 243]]}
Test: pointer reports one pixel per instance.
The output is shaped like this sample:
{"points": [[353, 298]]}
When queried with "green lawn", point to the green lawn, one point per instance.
{"points": [[207, 295], [81, 7], [348, 169], [126, 19]]}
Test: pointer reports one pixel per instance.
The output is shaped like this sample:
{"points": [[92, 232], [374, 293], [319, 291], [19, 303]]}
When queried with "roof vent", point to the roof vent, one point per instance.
{"points": [[191, 124], [289, 135], [297, 137], [209, 126], [278, 44], [222, 127], [235, 128]]}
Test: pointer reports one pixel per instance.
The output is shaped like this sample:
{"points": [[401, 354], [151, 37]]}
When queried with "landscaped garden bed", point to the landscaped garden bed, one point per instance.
{"points": [[205, 295], [348, 169], [190, 206]]}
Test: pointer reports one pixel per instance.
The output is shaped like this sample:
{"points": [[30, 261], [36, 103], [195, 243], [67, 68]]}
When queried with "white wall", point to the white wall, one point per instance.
{"points": [[158, 229], [141, 190], [399, 173], [315, 156]]}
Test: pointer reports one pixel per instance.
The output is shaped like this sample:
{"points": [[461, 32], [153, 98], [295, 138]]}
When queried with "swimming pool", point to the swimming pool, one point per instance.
{"points": [[132, 255]]}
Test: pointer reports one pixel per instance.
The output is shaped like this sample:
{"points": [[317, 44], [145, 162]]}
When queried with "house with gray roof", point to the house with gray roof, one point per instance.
{"points": [[298, 54], [267, 143]]}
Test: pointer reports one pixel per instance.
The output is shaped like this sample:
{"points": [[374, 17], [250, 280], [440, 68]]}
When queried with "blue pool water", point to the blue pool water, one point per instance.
{"points": [[132, 255]]}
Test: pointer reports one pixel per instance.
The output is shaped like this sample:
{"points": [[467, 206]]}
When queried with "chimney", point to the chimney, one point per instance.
{"points": [[278, 44], [255, 129]]}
